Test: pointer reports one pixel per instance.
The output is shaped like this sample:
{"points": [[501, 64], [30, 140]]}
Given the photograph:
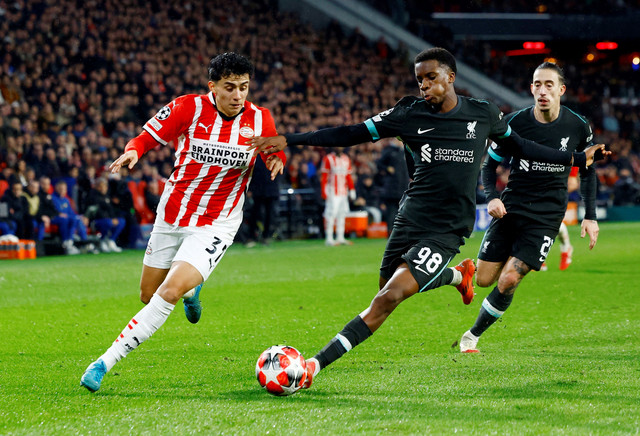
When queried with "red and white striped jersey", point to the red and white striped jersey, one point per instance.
{"points": [[336, 175], [212, 165]]}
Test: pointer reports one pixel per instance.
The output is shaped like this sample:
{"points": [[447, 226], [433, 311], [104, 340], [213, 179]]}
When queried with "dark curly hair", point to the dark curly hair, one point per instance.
{"points": [[439, 54], [229, 64]]}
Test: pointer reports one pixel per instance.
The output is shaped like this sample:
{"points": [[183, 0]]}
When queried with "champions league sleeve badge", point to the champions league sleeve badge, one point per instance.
{"points": [[163, 113]]}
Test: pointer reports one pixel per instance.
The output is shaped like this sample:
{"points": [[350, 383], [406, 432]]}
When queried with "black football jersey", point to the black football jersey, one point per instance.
{"points": [[445, 151], [536, 189]]}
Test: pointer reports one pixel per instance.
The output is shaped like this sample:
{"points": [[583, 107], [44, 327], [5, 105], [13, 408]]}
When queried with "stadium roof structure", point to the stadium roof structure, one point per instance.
{"points": [[374, 25]]}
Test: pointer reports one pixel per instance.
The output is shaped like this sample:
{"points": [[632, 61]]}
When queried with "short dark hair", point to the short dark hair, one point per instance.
{"points": [[229, 64], [443, 56], [552, 66]]}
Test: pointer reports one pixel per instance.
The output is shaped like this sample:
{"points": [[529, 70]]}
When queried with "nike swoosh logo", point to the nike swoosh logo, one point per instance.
{"points": [[420, 131]]}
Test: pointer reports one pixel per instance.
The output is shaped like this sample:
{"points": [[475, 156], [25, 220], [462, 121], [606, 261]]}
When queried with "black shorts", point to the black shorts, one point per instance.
{"points": [[426, 253], [520, 237]]}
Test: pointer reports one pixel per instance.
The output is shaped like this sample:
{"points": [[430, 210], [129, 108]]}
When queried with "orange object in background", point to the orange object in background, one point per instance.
{"points": [[356, 222], [377, 231], [23, 249]]}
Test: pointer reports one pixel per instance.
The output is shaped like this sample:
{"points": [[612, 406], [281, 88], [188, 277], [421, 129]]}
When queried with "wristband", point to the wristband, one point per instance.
{"points": [[580, 160]]}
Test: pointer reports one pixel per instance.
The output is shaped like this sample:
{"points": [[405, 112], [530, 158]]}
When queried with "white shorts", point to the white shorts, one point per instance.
{"points": [[202, 247], [336, 206]]}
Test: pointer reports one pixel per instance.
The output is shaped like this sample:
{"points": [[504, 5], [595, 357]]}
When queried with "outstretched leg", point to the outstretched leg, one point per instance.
{"points": [[400, 287]]}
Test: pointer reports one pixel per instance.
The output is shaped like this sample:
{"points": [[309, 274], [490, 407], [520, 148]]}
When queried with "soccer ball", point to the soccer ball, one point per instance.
{"points": [[281, 370]]}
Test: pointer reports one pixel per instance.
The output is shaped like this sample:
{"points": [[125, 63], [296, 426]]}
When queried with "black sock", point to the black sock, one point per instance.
{"points": [[446, 277], [355, 332], [492, 308]]}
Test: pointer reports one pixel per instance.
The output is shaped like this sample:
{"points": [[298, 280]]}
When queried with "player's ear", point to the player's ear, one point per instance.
{"points": [[452, 77], [563, 89], [211, 85]]}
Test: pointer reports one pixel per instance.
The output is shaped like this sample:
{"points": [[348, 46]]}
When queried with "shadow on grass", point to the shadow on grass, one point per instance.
{"points": [[181, 392]]}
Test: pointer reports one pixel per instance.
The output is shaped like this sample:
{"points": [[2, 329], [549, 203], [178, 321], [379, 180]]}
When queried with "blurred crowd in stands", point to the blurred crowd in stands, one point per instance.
{"points": [[606, 91], [78, 80]]}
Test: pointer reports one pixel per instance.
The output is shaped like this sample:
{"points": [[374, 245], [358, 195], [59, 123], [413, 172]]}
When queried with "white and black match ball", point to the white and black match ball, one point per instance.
{"points": [[281, 370]]}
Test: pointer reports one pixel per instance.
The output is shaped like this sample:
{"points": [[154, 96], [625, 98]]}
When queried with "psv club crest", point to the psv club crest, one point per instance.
{"points": [[246, 132]]}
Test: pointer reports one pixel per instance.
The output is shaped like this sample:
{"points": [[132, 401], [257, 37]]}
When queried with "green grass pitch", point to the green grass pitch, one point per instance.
{"points": [[564, 360]]}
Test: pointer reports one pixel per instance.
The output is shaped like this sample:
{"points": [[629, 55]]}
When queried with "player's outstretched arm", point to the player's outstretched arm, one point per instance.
{"points": [[343, 136], [527, 149], [590, 227]]}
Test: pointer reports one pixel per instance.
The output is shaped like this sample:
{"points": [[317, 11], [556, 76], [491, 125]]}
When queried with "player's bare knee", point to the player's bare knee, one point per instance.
{"points": [[508, 281], [484, 281], [171, 294]]}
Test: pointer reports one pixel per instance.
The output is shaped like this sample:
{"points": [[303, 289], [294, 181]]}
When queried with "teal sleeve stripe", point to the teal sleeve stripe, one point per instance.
{"points": [[372, 129], [406, 147], [494, 155], [507, 133], [580, 117]]}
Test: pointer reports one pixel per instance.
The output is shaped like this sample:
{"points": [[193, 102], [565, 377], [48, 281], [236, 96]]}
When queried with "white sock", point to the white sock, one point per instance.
{"points": [[457, 277], [563, 235], [340, 224], [140, 328], [328, 229]]}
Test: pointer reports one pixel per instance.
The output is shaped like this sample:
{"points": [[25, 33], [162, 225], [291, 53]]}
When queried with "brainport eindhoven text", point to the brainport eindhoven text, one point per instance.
{"points": [[221, 155]]}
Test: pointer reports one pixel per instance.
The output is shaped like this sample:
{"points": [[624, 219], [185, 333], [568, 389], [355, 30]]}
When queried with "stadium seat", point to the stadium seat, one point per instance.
{"points": [[4, 185], [143, 213]]}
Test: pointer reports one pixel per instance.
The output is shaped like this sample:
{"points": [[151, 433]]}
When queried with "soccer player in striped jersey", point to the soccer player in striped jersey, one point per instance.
{"points": [[528, 215], [200, 210], [337, 185], [445, 137]]}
